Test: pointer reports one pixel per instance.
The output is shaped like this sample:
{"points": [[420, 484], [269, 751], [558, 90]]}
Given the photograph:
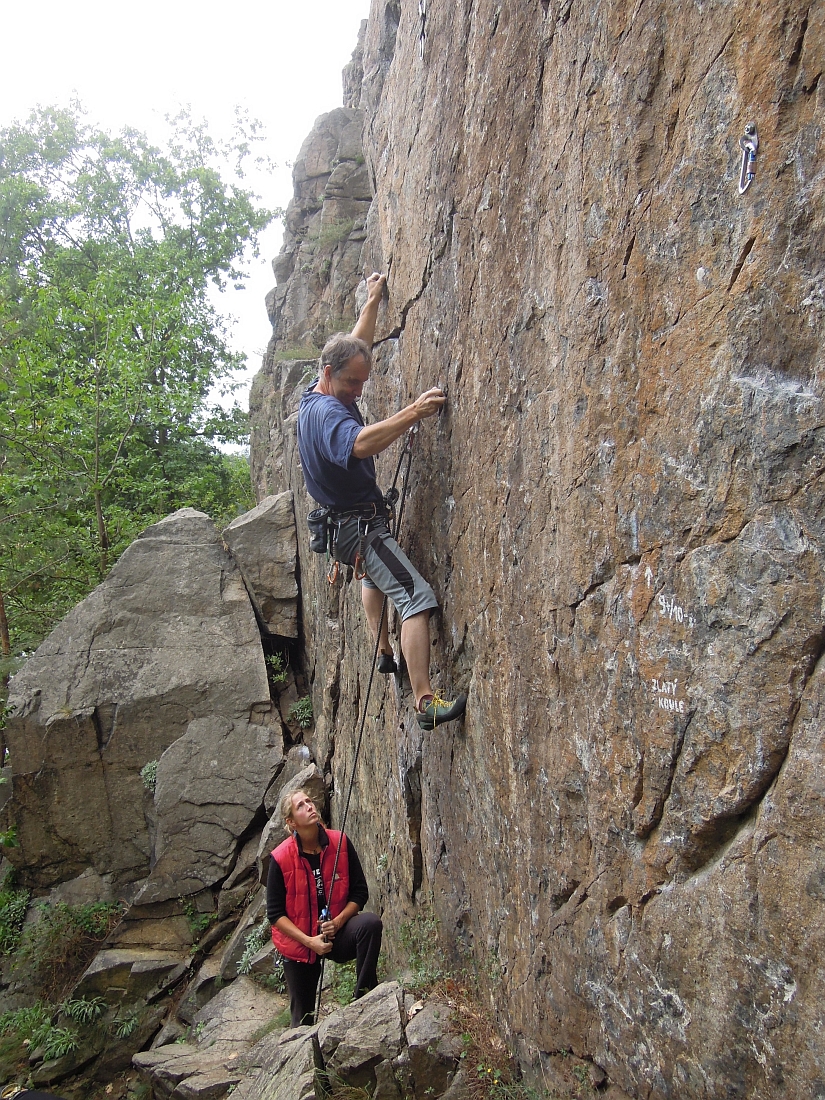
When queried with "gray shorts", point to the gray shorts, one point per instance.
{"points": [[388, 567]]}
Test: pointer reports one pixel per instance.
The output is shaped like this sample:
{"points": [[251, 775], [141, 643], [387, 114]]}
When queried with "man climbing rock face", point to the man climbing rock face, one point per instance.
{"points": [[337, 451]]}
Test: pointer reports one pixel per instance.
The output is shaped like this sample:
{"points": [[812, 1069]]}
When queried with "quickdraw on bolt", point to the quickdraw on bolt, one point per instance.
{"points": [[749, 144]]}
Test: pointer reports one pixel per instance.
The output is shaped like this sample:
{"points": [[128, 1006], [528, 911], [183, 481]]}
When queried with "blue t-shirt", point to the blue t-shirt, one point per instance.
{"points": [[326, 433]]}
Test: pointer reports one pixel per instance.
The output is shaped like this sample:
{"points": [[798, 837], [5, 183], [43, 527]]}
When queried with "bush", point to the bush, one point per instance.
{"points": [[256, 938], [32, 1027], [149, 775], [331, 234], [419, 939], [83, 1010], [276, 668], [62, 942], [343, 982], [13, 905], [301, 713]]}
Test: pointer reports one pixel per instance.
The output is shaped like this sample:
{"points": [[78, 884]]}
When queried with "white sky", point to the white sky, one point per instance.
{"points": [[132, 64]]}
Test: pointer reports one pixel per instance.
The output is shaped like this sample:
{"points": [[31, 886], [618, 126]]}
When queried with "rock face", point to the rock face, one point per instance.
{"points": [[621, 512], [167, 642]]}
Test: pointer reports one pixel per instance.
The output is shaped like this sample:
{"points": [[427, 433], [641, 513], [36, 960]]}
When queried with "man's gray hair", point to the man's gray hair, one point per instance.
{"points": [[340, 348]]}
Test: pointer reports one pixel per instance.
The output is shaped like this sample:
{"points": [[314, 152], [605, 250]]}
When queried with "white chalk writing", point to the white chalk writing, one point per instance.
{"points": [[677, 706], [674, 612], [664, 687], [665, 692]]}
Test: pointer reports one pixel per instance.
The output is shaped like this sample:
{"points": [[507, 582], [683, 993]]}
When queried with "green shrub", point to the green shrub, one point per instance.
{"points": [[59, 1041], [418, 938], [277, 666], [343, 982], [149, 775], [301, 712], [33, 1027], [333, 233], [62, 942], [83, 1011], [305, 352], [30, 1023], [255, 939], [13, 904], [198, 922], [124, 1026]]}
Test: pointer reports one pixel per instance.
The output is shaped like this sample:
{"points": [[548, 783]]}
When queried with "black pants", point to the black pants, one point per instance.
{"points": [[359, 939]]}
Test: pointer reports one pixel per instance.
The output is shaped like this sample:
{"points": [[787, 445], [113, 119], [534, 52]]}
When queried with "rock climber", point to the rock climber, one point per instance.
{"points": [[337, 451], [299, 888]]}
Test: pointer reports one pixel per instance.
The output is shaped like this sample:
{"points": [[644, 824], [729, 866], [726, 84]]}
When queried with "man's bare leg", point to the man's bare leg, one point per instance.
{"points": [[373, 601], [415, 645]]}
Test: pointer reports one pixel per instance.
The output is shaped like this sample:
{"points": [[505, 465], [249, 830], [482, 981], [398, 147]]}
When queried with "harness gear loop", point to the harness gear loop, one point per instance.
{"points": [[406, 452]]}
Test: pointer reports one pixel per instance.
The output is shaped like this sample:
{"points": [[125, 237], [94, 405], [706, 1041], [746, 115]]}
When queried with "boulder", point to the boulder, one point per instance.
{"points": [[355, 1039], [283, 1067], [122, 975], [204, 986], [169, 637], [230, 1022], [210, 785], [433, 1048], [263, 543], [221, 1049]]}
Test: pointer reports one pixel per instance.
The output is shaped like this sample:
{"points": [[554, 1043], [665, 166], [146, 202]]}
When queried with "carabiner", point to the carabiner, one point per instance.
{"points": [[333, 571]]}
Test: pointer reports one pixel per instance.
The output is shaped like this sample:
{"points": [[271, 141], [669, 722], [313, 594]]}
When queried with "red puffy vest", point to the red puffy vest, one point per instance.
{"points": [[301, 896]]}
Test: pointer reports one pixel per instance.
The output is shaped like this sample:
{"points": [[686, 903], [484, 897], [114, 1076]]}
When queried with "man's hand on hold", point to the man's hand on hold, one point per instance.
{"points": [[375, 285], [429, 403]]}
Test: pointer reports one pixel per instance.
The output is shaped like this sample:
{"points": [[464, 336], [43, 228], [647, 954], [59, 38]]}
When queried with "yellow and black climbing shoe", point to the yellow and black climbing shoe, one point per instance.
{"points": [[386, 664], [437, 711]]}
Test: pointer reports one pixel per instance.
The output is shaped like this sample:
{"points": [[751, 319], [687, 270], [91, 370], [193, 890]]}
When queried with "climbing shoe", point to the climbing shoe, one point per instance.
{"points": [[438, 711], [386, 664]]}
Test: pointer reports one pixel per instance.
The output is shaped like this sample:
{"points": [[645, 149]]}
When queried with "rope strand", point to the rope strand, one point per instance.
{"points": [[405, 453]]}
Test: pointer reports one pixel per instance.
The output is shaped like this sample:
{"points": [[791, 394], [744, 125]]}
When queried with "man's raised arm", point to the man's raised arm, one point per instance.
{"points": [[377, 437], [365, 325]]}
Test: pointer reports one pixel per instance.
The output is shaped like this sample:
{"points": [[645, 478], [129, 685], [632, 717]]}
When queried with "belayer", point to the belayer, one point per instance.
{"points": [[337, 451], [314, 908]]}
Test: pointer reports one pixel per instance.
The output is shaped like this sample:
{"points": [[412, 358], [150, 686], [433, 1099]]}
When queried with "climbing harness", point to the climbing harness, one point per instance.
{"points": [[749, 144], [393, 496]]}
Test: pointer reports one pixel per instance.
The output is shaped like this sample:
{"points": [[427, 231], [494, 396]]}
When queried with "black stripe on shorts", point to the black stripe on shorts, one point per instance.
{"points": [[396, 567]]}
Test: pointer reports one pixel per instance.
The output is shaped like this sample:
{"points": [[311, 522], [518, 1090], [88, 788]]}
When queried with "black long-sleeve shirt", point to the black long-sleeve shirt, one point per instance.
{"points": [[276, 887]]}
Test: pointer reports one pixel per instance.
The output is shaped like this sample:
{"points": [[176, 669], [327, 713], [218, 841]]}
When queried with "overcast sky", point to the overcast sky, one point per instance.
{"points": [[132, 64]]}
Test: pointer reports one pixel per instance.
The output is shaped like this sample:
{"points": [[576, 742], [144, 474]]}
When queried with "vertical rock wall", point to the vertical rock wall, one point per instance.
{"points": [[621, 513]]}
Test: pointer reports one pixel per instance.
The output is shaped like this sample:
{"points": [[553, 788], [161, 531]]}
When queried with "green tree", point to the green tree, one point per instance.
{"points": [[111, 347]]}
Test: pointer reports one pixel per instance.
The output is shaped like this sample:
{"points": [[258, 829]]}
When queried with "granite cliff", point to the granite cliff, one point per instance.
{"points": [[620, 510]]}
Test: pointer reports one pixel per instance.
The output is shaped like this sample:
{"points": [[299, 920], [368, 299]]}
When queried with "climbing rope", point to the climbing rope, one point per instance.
{"points": [[406, 453]]}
